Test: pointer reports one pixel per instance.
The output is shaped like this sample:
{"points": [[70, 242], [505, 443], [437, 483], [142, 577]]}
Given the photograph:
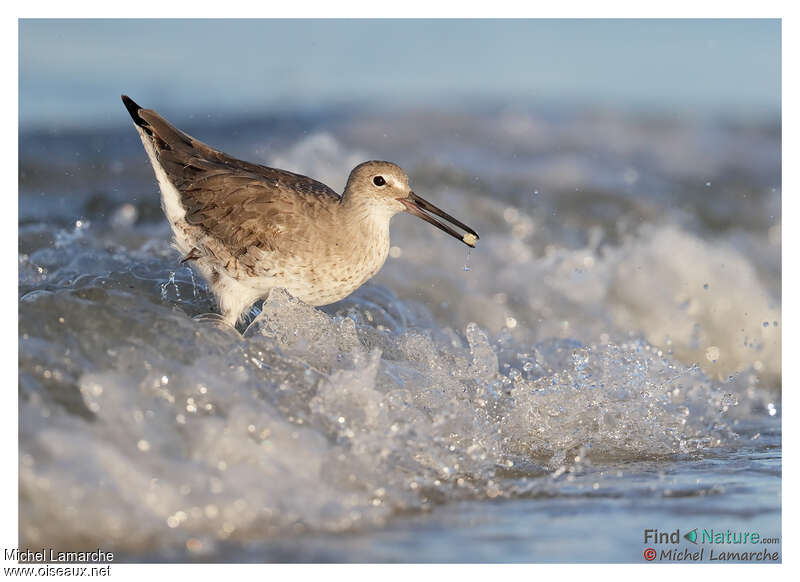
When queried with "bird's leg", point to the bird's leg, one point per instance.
{"points": [[254, 325], [234, 299]]}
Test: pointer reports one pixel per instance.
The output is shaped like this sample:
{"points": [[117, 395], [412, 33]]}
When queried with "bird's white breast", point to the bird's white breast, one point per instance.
{"points": [[334, 272]]}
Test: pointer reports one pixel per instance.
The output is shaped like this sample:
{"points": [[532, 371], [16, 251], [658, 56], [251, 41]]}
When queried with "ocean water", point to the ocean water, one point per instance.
{"points": [[607, 360]]}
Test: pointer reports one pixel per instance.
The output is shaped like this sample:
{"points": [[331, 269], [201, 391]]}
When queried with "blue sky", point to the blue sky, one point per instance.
{"points": [[72, 71]]}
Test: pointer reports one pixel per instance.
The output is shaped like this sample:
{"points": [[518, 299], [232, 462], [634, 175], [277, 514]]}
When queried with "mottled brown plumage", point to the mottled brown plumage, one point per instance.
{"points": [[249, 228]]}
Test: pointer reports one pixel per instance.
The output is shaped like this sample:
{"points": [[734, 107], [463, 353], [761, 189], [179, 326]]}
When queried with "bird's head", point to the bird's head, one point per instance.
{"points": [[383, 188]]}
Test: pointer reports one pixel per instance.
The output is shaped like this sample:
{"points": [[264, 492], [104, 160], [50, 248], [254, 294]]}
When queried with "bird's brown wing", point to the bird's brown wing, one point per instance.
{"points": [[237, 203], [243, 210]]}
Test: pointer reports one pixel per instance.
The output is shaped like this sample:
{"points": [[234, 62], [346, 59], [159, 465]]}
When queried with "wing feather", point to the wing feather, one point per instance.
{"points": [[237, 203]]}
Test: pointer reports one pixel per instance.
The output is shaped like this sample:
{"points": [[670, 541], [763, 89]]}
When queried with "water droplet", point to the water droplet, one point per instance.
{"points": [[165, 285], [466, 262]]}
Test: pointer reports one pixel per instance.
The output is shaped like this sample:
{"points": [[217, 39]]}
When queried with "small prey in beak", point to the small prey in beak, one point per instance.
{"points": [[421, 207]]}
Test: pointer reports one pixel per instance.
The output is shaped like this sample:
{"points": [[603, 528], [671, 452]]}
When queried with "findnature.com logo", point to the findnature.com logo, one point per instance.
{"points": [[701, 537]]}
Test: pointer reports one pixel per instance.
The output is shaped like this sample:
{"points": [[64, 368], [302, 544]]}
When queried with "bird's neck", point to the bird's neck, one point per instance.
{"points": [[366, 215], [366, 227]]}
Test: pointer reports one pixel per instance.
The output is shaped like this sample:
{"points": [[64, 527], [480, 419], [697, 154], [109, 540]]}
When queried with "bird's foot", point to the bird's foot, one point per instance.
{"points": [[215, 320]]}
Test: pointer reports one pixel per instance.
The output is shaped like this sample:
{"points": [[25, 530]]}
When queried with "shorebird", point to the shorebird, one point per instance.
{"points": [[248, 228]]}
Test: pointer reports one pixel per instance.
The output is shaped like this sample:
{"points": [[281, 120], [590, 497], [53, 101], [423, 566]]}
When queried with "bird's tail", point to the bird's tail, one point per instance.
{"points": [[134, 109], [164, 134]]}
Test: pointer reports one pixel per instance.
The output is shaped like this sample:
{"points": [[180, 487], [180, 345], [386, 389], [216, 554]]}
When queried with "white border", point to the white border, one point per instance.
{"points": [[410, 8]]}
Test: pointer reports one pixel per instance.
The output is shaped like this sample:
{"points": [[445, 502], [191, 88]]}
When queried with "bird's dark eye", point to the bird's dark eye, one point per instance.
{"points": [[379, 181]]}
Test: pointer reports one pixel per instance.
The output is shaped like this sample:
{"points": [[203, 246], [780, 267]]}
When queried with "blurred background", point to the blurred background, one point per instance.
{"points": [[239, 67], [611, 350]]}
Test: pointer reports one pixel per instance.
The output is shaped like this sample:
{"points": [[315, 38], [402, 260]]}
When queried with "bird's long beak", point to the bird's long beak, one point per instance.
{"points": [[420, 207]]}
